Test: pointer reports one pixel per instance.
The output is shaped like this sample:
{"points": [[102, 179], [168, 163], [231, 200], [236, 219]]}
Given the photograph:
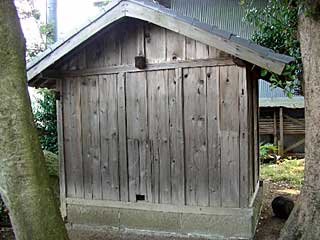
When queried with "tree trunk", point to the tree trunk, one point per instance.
{"points": [[304, 221], [24, 182]]}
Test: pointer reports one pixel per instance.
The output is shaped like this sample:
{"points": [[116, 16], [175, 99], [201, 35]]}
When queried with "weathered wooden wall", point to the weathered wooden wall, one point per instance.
{"points": [[182, 132], [120, 43]]}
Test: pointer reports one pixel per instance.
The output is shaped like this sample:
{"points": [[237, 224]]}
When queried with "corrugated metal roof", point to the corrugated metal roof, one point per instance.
{"points": [[267, 91], [296, 102], [225, 14], [275, 97]]}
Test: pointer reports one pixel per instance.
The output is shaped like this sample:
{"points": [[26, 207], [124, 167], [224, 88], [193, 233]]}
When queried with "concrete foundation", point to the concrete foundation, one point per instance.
{"points": [[115, 220]]}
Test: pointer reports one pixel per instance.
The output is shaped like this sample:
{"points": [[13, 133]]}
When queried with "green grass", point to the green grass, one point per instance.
{"points": [[288, 171]]}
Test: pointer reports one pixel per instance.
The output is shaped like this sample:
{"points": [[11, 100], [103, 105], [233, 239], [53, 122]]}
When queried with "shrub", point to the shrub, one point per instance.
{"points": [[268, 151], [277, 28], [44, 110]]}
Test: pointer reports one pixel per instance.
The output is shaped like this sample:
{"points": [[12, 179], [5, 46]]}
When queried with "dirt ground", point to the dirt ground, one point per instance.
{"points": [[269, 227]]}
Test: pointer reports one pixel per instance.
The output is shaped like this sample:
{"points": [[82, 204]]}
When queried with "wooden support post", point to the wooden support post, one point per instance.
{"points": [[256, 128], [63, 205], [275, 138], [281, 131]]}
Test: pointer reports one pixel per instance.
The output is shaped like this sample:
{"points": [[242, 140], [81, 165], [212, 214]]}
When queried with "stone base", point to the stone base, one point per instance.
{"points": [[116, 220]]}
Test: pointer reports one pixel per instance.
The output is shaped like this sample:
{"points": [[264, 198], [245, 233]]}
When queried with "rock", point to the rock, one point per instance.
{"points": [[282, 207]]}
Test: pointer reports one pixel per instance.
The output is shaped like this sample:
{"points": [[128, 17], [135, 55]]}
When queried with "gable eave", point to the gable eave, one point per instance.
{"points": [[151, 12], [65, 46]]}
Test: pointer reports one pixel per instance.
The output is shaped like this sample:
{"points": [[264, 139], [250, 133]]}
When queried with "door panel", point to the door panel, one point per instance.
{"points": [[195, 122], [137, 133]]}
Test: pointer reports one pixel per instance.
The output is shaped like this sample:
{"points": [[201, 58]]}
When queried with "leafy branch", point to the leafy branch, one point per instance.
{"points": [[277, 28]]}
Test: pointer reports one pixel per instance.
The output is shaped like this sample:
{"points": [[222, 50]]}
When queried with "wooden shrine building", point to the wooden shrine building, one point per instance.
{"points": [[158, 123]]}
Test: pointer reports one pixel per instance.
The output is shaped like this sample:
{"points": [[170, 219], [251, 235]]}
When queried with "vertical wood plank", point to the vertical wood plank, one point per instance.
{"points": [[244, 139], [191, 50], [164, 137], [62, 165], [176, 137], [214, 136], [281, 131], [251, 125], [112, 56], [159, 134], [195, 117], [122, 125], [128, 43], [133, 168], [256, 130], [141, 48], [78, 61], [216, 53], [76, 147], [196, 50], [70, 190], [189, 118], [213, 52], [202, 188], [132, 41], [95, 53], [91, 137], [230, 169], [153, 116], [202, 50], [275, 138], [108, 115], [229, 82], [73, 148], [137, 132], [155, 39], [175, 46], [85, 139], [142, 90]]}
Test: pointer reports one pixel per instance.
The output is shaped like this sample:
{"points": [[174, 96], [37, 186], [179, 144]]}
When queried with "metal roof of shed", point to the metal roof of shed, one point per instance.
{"points": [[275, 97], [225, 14], [155, 13], [296, 102]]}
